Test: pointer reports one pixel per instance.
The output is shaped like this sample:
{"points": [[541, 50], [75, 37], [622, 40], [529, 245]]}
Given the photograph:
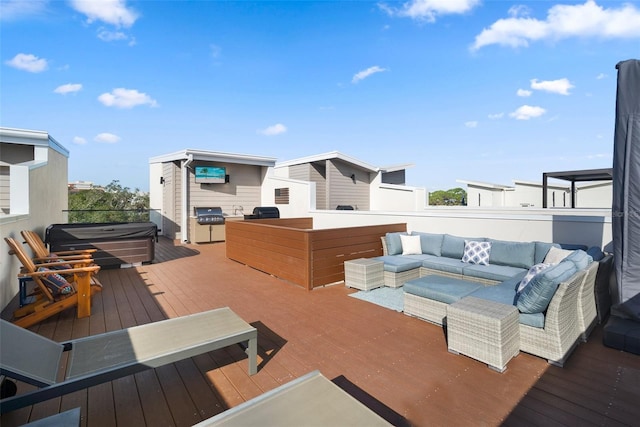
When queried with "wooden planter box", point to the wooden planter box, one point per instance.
{"points": [[289, 248]]}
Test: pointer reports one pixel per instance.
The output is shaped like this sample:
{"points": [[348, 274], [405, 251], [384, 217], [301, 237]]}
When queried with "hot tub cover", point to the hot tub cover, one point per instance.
{"points": [[100, 231]]}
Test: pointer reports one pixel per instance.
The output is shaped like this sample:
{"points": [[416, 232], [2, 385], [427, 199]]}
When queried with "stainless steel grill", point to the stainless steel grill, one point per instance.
{"points": [[209, 215]]}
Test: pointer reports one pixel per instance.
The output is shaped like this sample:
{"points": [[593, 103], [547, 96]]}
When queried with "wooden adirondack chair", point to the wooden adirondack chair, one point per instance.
{"points": [[42, 253], [79, 277]]}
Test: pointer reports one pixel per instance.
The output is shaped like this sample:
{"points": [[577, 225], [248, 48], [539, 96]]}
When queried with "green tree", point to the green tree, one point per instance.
{"points": [[113, 203], [451, 197]]}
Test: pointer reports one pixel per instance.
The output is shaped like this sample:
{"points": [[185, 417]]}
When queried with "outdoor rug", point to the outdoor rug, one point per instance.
{"points": [[391, 298]]}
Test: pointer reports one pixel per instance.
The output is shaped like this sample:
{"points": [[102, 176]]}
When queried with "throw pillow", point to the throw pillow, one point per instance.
{"points": [[54, 258], [476, 252], [533, 271], [394, 244], [56, 284], [411, 245], [537, 295], [555, 255]]}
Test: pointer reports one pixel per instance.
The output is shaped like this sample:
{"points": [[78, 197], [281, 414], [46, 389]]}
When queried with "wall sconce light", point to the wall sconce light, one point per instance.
{"points": [[353, 177], [162, 180]]}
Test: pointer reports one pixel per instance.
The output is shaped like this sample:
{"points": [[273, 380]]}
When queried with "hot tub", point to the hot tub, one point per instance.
{"points": [[118, 243]]}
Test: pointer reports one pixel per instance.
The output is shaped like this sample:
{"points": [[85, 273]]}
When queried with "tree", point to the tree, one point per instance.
{"points": [[113, 203], [452, 197]]}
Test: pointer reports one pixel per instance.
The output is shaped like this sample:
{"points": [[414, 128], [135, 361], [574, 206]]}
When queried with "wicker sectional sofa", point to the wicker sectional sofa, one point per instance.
{"points": [[555, 312]]}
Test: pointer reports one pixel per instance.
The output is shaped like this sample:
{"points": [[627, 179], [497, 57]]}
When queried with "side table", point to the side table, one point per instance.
{"points": [[364, 274], [485, 330]]}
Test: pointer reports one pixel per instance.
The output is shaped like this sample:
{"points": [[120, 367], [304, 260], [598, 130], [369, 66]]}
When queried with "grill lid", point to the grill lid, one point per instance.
{"points": [[212, 215]]}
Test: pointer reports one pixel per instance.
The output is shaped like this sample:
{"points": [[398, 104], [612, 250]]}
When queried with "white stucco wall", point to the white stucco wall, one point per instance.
{"points": [[46, 189], [591, 227]]}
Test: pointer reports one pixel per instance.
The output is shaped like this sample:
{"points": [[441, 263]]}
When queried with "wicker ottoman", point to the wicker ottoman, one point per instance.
{"points": [[485, 330], [364, 274]]}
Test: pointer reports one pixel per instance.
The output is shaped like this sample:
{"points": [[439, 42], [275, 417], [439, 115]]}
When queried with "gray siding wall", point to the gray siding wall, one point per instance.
{"points": [[4, 189], [239, 196], [343, 189], [313, 172], [319, 176]]}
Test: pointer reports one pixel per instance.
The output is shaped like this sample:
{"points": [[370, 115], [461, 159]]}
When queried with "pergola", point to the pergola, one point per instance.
{"points": [[575, 176]]}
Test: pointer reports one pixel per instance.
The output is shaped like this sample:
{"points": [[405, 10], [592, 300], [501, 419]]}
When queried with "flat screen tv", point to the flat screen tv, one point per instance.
{"points": [[210, 174]]}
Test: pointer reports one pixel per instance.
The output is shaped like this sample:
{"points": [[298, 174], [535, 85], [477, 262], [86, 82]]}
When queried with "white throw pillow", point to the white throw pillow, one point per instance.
{"points": [[530, 275], [476, 252], [411, 245], [555, 255]]}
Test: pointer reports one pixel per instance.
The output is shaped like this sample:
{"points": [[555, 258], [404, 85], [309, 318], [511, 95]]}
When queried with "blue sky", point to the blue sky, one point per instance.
{"points": [[464, 89]]}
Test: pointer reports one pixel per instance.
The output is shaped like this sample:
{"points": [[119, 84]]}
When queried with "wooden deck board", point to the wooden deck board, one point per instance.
{"points": [[396, 364]]}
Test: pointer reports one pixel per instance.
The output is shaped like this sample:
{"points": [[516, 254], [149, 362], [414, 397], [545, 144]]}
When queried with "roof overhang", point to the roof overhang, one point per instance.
{"points": [[575, 176], [214, 156], [486, 185], [36, 138], [329, 156]]}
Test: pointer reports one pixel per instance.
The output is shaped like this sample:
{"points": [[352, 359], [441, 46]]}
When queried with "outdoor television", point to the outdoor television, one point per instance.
{"points": [[210, 174]]}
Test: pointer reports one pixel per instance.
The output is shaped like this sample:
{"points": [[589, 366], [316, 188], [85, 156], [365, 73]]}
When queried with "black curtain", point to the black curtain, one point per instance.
{"points": [[626, 190]]}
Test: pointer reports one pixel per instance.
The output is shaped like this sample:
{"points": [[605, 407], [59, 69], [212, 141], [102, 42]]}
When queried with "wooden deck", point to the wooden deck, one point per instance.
{"points": [[397, 365]]}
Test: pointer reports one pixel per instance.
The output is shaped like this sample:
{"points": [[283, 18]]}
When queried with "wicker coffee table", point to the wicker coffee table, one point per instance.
{"points": [[485, 330], [364, 274]]}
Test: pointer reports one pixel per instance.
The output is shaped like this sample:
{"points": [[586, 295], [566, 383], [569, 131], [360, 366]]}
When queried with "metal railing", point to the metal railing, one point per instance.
{"points": [[107, 215]]}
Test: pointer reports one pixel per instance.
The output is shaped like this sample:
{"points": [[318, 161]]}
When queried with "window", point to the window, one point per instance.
{"points": [[282, 196]]}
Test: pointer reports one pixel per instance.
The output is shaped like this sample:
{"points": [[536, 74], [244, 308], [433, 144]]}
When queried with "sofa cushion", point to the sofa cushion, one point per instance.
{"points": [[505, 293], [491, 271], [535, 269], [596, 253], [515, 254], [453, 246], [579, 258], [394, 244], [410, 245], [535, 298], [440, 288], [445, 264], [542, 248], [535, 320], [476, 252], [398, 263], [555, 255], [431, 243]]}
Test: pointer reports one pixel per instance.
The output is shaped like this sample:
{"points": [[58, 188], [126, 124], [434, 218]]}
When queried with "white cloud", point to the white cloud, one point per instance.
{"points": [[126, 98], [11, 10], [524, 93], [366, 73], [563, 21], [113, 12], [276, 129], [107, 138], [496, 116], [215, 50], [109, 36], [79, 140], [68, 88], [527, 112], [560, 86], [428, 10], [28, 62], [471, 124], [601, 76]]}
